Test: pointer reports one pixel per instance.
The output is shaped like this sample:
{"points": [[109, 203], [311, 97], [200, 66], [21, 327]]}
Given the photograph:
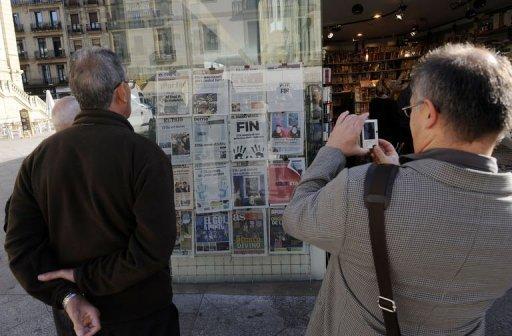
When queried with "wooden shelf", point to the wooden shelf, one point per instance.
{"points": [[380, 61]]}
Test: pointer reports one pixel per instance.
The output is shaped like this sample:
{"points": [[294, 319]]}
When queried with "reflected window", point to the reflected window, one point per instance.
{"points": [[24, 76], [210, 38], [165, 42], [60, 73], [47, 75]]}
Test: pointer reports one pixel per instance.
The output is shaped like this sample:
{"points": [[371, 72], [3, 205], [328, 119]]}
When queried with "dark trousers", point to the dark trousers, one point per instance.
{"points": [[161, 323]]}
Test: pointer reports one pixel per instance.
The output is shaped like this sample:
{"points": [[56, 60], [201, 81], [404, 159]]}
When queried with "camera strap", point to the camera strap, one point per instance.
{"points": [[377, 196]]}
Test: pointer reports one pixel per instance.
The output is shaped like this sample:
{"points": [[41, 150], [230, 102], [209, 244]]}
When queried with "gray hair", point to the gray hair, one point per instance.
{"points": [[470, 86], [64, 112], [94, 74]]}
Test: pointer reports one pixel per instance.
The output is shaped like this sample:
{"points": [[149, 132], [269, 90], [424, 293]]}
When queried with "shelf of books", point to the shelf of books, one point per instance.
{"points": [[358, 73]]}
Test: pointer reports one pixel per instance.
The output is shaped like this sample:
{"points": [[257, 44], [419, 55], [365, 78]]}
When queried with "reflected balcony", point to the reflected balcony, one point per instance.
{"points": [[72, 3], [41, 27], [94, 27], [16, 3], [137, 23], [23, 55], [163, 58], [75, 29], [18, 28], [49, 54], [116, 25]]}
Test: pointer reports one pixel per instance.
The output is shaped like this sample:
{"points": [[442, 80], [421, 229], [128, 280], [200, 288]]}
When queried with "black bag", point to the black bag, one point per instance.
{"points": [[377, 196]]}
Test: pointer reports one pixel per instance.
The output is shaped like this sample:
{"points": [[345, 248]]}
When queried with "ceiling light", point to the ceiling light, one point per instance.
{"points": [[330, 35], [359, 34], [400, 13], [377, 16], [414, 31]]}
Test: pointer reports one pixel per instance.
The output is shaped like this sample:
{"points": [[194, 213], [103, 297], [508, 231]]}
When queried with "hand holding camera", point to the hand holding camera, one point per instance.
{"points": [[346, 134]]}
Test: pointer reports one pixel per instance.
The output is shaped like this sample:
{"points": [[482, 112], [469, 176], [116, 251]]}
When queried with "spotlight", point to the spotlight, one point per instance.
{"points": [[377, 16], [400, 13], [414, 31], [471, 13], [479, 4], [359, 34], [357, 9], [330, 35]]}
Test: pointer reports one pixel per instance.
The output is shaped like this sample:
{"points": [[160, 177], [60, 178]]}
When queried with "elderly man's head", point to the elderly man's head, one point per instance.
{"points": [[461, 96], [98, 81], [64, 112]]}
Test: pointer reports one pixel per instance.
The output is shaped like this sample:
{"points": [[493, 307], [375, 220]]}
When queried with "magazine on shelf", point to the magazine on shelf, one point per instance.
{"points": [[248, 90], [279, 241], [287, 133], [249, 184], [285, 88], [249, 232], [211, 92], [184, 233], [183, 187], [212, 187], [212, 233], [173, 92], [173, 136], [211, 140], [283, 177], [249, 137]]}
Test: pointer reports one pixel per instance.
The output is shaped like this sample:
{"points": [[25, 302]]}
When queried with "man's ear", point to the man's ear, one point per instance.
{"points": [[430, 113], [120, 94]]}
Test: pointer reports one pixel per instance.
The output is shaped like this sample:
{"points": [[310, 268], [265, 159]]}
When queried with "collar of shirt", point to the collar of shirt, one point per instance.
{"points": [[102, 117], [458, 158]]}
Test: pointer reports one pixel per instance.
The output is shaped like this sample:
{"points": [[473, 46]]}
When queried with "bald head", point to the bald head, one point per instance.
{"points": [[64, 112]]}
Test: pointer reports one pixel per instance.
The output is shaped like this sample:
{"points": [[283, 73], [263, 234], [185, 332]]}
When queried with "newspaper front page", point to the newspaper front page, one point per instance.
{"points": [[249, 184], [283, 177], [211, 92], [173, 92], [211, 140], [279, 241], [212, 233], [173, 136], [183, 187], [184, 233], [249, 137], [249, 232], [248, 90], [212, 186]]}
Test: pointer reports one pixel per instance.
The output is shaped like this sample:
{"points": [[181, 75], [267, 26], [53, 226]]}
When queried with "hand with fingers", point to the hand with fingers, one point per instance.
{"points": [[239, 152], [346, 134], [257, 151], [85, 317], [385, 153]]}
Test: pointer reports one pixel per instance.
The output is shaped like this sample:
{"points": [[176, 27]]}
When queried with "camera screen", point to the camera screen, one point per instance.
{"points": [[369, 131]]}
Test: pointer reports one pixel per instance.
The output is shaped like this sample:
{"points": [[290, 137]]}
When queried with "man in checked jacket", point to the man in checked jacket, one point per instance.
{"points": [[91, 221], [449, 223]]}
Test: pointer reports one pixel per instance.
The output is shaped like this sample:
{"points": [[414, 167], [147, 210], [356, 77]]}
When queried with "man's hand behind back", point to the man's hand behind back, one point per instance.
{"points": [[85, 317]]}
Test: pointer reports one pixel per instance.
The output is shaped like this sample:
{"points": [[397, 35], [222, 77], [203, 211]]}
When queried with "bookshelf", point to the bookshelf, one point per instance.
{"points": [[359, 72]]}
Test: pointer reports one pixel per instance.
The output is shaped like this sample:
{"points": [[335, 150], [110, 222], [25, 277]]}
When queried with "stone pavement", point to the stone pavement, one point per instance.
{"points": [[263, 309]]}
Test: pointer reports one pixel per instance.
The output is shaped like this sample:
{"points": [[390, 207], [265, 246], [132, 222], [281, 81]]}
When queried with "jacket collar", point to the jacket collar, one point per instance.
{"points": [[101, 117], [457, 158]]}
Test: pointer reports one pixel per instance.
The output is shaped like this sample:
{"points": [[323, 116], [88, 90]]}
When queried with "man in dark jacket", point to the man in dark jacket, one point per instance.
{"points": [[92, 220]]}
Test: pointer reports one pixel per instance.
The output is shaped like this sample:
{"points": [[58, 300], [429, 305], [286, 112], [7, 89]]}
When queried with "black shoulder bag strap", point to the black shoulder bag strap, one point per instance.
{"points": [[377, 196]]}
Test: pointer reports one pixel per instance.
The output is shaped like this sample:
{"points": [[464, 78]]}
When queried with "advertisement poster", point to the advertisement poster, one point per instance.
{"points": [[173, 136], [249, 140], [184, 235], [249, 184], [212, 233], [283, 177], [211, 92], [279, 241], [212, 187], [248, 90], [285, 89], [173, 92], [183, 187], [249, 232], [287, 133], [211, 141]]}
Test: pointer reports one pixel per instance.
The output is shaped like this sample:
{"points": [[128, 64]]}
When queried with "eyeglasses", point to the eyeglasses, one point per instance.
{"points": [[121, 82], [408, 109]]}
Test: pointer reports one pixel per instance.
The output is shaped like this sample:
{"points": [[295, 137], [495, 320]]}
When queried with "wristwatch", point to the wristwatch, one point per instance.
{"points": [[68, 298]]}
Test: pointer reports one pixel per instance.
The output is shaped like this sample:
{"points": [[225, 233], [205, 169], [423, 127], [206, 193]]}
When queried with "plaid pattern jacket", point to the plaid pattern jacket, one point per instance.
{"points": [[449, 233]]}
